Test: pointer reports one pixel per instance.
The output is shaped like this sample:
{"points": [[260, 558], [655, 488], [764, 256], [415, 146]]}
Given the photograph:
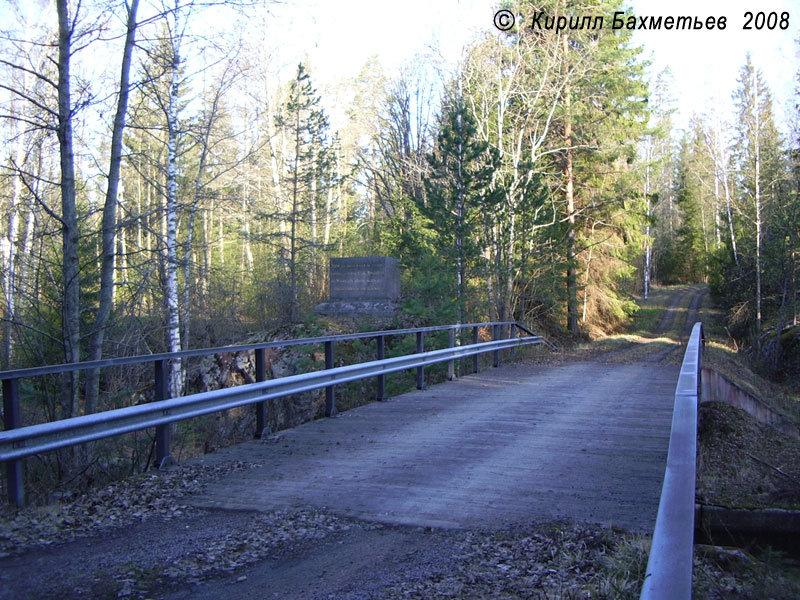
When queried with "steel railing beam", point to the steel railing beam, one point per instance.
{"points": [[27, 441], [669, 566], [146, 358]]}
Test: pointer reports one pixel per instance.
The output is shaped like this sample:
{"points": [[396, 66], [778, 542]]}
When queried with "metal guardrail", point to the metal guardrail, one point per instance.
{"points": [[17, 442], [669, 567], [149, 358]]}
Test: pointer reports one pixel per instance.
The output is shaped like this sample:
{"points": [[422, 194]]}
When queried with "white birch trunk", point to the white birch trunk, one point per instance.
{"points": [[720, 156], [206, 251], [758, 201], [221, 239], [247, 250], [123, 257], [326, 238], [647, 247], [26, 260], [717, 226], [171, 282]]}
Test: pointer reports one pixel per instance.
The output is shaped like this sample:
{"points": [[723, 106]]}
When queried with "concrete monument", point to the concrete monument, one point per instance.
{"points": [[362, 286]]}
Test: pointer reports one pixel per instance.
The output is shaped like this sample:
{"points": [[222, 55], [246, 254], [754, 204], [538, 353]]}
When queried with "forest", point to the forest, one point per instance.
{"points": [[165, 185]]}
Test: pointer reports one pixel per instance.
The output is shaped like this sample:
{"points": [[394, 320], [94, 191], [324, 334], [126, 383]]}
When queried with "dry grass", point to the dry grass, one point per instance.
{"points": [[743, 463]]}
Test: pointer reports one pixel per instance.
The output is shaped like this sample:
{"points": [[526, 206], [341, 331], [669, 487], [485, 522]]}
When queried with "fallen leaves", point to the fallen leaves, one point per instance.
{"points": [[558, 561], [114, 505]]}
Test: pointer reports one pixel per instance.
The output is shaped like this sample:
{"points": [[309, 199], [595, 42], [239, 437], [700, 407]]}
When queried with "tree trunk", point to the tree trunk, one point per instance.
{"points": [[647, 247], [187, 278], [460, 211], [122, 266], [109, 222], [207, 216], [758, 202], [247, 250], [569, 197], [171, 282], [187, 253], [10, 244], [313, 276], [293, 308], [717, 226], [221, 238], [721, 171], [70, 319]]}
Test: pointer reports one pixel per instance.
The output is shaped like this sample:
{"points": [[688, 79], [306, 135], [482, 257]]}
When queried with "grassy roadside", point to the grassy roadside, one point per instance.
{"points": [[721, 355], [743, 463]]}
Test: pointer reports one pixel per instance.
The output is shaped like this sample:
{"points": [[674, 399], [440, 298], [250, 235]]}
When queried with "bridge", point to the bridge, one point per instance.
{"points": [[584, 441], [528, 442]]}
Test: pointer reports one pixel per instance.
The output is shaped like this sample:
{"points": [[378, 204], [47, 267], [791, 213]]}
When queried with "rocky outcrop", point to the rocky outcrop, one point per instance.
{"points": [[230, 369]]}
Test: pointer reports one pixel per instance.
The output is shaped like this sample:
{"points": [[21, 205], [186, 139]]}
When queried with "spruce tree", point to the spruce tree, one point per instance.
{"points": [[689, 258], [458, 192], [758, 160]]}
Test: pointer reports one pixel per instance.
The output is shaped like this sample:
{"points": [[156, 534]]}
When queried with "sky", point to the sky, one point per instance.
{"points": [[706, 64], [338, 37]]}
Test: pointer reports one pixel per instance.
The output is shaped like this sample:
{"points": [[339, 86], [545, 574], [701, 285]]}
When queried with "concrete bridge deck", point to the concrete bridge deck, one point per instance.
{"points": [[583, 441]]}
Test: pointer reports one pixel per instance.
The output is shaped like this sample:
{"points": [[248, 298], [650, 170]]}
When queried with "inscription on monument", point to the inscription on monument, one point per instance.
{"points": [[363, 286], [364, 278]]}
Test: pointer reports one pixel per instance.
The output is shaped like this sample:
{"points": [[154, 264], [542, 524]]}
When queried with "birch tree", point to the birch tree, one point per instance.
{"points": [[163, 74], [513, 87]]}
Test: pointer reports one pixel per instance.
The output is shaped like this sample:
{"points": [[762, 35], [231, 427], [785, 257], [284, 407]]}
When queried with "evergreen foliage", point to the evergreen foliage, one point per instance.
{"points": [[459, 192]]}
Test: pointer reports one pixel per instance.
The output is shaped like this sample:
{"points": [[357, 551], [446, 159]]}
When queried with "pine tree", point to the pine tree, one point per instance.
{"points": [[309, 174], [603, 115]]}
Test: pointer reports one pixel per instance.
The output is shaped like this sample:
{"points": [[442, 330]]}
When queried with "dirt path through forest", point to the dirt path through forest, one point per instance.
{"points": [[669, 334]]}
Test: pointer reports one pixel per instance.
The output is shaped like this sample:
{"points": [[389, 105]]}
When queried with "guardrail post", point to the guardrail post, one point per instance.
{"points": [[330, 392], [513, 334], [420, 370], [451, 365], [262, 425], [496, 336], [381, 378], [163, 458], [475, 356], [11, 416]]}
